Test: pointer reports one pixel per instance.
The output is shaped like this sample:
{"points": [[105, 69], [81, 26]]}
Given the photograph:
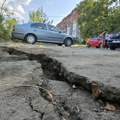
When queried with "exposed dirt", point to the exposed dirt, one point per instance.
{"points": [[36, 83]]}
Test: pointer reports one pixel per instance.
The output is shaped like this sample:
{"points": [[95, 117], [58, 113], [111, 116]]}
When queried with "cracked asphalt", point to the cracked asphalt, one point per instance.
{"points": [[21, 78]]}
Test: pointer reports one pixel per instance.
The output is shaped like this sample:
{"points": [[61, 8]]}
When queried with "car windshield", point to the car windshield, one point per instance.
{"points": [[116, 35], [96, 38]]}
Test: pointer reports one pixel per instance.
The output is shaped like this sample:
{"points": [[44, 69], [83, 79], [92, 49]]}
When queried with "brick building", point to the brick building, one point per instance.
{"points": [[70, 25]]}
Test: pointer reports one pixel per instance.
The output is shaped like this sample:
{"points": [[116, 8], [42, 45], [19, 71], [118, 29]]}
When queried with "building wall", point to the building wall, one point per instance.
{"points": [[70, 25]]}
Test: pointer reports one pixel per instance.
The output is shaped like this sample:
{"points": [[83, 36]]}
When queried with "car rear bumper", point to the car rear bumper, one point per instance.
{"points": [[117, 44], [17, 35]]}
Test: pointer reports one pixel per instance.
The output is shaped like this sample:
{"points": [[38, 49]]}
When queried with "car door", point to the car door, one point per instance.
{"points": [[91, 41], [94, 42], [55, 34], [40, 30], [97, 41]]}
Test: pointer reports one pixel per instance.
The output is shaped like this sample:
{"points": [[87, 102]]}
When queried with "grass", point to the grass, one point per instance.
{"points": [[79, 45]]}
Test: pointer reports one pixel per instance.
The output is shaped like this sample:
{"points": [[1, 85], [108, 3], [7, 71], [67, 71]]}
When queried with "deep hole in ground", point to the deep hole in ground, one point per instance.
{"points": [[69, 106]]}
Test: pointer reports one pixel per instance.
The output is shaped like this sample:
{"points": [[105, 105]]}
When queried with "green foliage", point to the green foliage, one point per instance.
{"points": [[6, 27], [38, 16], [2, 29], [6, 23], [97, 16], [1, 25], [115, 18], [9, 25]]}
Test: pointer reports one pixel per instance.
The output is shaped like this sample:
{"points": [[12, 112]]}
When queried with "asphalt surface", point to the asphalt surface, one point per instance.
{"points": [[21, 79], [100, 65]]}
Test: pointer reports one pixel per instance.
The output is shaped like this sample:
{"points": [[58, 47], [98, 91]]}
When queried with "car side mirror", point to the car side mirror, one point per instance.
{"points": [[63, 31], [60, 32]]}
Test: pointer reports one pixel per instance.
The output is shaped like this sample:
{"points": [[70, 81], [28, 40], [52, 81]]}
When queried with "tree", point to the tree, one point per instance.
{"points": [[38, 16], [6, 22], [1, 25], [97, 16], [2, 7], [9, 25], [114, 19]]}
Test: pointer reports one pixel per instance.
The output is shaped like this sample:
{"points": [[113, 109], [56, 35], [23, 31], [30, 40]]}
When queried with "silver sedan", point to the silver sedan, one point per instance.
{"points": [[41, 32]]}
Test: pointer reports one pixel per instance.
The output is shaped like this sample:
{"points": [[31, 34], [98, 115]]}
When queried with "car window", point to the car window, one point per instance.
{"points": [[96, 38], [93, 38], [53, 28], [39, 26], [116, 35]]}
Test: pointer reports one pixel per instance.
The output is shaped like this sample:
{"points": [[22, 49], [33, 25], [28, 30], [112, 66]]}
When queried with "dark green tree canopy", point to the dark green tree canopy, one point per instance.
{"points": [[97, 16]]}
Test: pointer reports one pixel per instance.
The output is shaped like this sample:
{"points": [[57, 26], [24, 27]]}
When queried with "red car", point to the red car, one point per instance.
{"points": [[95, 42]]}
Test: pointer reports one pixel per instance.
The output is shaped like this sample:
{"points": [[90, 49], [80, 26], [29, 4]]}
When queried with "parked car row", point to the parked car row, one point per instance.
{"points": [[41, 32], [113, 42]]}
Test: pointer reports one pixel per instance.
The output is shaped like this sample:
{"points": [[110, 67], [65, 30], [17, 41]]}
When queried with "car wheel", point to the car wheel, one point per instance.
{"points": [[68, 42], [30, 39], [112, 47], [59, 44]]}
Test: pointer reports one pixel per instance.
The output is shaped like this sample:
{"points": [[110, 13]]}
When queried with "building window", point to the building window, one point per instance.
{"points": [[74, 32], [68, 29]]}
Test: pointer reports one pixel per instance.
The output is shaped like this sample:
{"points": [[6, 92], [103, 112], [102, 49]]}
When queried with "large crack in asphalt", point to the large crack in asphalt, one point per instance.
{"points": [[70, 103], [53, 69]]}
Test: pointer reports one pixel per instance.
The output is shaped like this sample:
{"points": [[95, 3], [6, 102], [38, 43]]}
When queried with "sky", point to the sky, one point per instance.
{"points": [[16, 7], [56, 10]]}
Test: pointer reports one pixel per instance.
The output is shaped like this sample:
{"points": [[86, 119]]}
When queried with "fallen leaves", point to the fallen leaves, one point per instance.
{"points": [[47, 94], [95, 94], [95, 91], [110, 107]]}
